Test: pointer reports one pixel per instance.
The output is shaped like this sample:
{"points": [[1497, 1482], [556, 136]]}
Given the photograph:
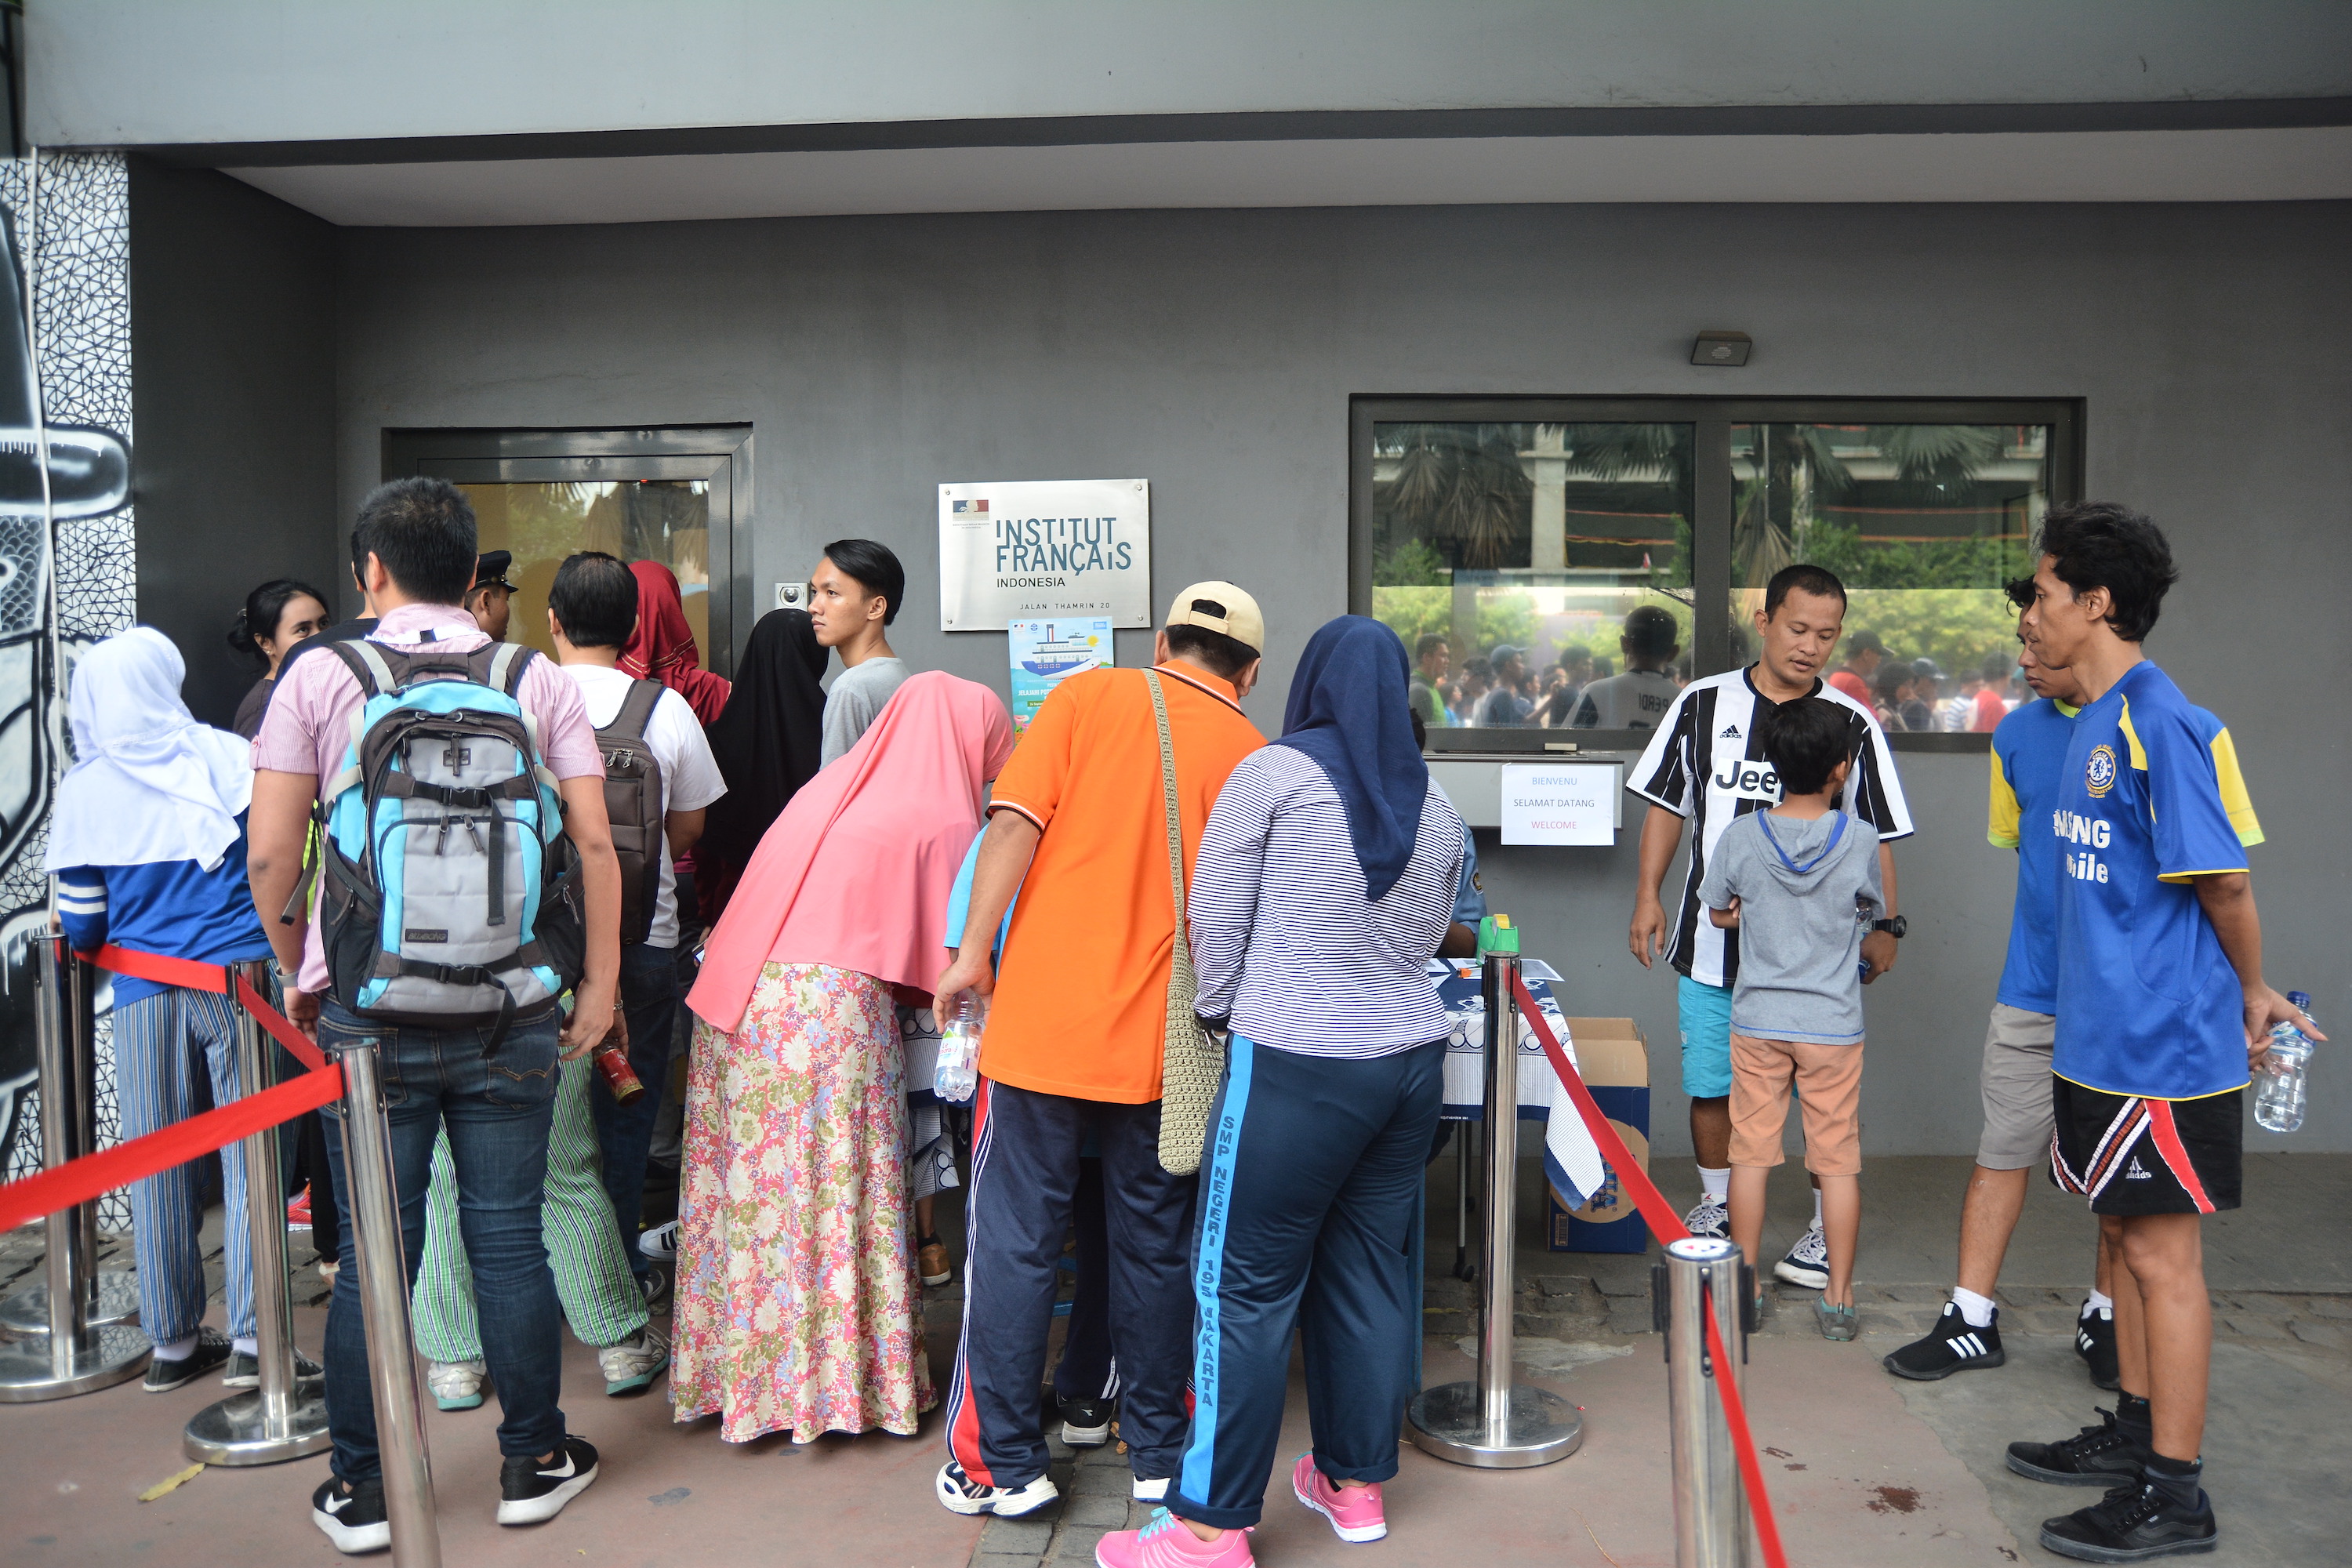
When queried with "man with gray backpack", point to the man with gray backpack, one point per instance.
{"points": [[660, 780], [466, 880]]}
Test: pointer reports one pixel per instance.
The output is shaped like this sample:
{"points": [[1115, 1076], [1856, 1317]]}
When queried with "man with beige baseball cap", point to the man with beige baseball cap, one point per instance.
{"points": [[1072, 1047]]}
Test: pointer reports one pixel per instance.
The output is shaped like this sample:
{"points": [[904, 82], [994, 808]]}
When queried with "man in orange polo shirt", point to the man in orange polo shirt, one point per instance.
{"points": [[1077, 829]]}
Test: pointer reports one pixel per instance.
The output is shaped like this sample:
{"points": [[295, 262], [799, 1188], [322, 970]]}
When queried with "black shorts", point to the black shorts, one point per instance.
{"points": [[2129, 1155]]}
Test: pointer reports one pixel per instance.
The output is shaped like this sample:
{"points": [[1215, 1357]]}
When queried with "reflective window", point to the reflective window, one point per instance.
{"points": [[1607, 550], [1923, 524], [667, 520], [1540, 573]]}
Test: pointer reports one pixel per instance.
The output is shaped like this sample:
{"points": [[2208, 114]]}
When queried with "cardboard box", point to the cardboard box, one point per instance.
{"points": [[1614, 1056]]}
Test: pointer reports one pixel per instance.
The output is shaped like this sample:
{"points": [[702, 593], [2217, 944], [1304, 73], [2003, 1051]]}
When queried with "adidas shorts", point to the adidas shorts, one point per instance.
{"points": [[2130, 1156], [1705, 1017]]}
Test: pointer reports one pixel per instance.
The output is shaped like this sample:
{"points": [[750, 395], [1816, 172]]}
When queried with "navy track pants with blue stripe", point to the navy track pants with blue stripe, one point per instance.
{"points": [[1310, 1199], [1025, 1172]]}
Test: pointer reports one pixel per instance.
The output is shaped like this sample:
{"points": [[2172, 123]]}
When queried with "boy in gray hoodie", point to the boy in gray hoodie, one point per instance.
{"points": [[1800, 883]]}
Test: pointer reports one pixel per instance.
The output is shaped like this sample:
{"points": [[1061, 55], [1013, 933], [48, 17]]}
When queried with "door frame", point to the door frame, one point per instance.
{"points": [[718, 455]]}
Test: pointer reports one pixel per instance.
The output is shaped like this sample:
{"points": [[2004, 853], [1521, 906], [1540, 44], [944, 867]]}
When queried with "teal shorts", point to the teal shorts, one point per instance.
{"points": [[1707, 1037]]}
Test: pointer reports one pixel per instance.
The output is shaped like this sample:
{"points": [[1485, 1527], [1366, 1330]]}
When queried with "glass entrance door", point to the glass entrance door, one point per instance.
{"points": [[677, 497]]}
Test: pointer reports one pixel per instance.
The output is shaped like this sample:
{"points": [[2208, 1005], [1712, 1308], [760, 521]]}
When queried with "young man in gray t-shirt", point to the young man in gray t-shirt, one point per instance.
{"points": [[853, 596], [1801, 881]]}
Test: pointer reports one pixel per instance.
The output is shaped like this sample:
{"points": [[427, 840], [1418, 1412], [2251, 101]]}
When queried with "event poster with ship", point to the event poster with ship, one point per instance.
{"points": [[1046, 653]]}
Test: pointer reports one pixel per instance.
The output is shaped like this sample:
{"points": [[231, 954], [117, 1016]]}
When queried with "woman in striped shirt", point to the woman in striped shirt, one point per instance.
{"points": [[1325, 883]]}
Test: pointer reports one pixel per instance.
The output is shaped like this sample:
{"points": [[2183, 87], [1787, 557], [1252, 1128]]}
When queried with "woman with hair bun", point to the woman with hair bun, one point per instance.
{"points": [[276, 615]]}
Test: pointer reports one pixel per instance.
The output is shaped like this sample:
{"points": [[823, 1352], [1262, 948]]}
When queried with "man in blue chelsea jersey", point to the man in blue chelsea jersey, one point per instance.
{"points": [[2029, 758], [2161, 1006]]}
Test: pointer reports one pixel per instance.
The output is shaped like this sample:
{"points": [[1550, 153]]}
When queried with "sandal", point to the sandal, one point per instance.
{"points": [[1837, 1322]]}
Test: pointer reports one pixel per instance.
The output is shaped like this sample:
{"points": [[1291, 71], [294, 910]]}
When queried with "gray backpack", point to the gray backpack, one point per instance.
{"points": [[450, 895], [633, 801]]}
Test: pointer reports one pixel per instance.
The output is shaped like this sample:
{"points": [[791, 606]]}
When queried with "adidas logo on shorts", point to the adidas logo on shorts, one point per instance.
{"points": [[2139, 1173]]}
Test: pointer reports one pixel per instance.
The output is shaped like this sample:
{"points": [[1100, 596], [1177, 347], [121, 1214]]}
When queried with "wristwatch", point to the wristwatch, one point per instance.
{"points": [[1893, 928]]}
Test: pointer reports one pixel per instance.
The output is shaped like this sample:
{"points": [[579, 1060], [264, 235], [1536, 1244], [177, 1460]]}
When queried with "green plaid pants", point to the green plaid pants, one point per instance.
{"points": [[600, 1299]]}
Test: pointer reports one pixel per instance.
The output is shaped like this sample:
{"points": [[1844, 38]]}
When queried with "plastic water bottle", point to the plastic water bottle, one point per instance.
{"points": [[961, 1023], [2278, 1099]]}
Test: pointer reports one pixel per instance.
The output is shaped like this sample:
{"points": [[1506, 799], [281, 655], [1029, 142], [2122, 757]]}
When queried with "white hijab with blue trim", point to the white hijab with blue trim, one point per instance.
{"points": [[149, 783]]}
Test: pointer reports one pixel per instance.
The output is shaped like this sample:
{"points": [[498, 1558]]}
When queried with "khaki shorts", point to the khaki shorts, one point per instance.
{"points": [[1828, 1079], [2018, 1120]]}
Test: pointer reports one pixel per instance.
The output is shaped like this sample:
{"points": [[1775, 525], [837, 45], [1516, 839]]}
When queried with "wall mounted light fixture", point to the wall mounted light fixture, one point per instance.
{"points": [[1721, 348]]}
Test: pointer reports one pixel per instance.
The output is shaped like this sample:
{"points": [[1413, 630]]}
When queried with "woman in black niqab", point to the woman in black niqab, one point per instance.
{"points": [[767, 742]]}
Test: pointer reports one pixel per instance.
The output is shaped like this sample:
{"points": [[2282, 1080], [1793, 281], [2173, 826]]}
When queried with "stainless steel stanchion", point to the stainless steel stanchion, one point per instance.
{"points": [[285, 1416], [373, 1211], [1711, 1528], [1493, 1423], [75, 1356], [112, 1294]]}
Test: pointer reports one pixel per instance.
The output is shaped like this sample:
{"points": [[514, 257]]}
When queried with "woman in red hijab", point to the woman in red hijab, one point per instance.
{"points": [[662, 648]]}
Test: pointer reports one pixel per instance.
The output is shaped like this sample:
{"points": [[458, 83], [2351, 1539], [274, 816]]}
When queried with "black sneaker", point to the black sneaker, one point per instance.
{"points": [[1950, 1346], [245, 1371], [2131, 1524], [2094, 1341], [354, 1520], [531, 1492], [1085, 1422], [2101, 1456], [163, 1376]]}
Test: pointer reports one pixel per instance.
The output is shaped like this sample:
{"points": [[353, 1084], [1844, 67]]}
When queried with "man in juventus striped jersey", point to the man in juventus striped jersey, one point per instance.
{"points": [[1706, 764]]}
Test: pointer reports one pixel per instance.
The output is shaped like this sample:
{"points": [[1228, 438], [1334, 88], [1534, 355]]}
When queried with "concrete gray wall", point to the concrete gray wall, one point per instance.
{"points": [[233, 393], [140, 72], [1216, 352]]}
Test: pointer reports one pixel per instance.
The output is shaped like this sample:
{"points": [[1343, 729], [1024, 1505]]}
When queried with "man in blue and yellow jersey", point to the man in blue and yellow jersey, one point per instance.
{"points": [[2161, 1005], [2027, 756]]}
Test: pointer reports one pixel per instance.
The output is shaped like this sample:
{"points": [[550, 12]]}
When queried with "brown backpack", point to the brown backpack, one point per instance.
{"points": [[634, 802]]}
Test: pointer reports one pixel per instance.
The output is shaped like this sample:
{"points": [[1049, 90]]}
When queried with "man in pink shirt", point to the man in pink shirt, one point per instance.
{"points": [[416, 542]]}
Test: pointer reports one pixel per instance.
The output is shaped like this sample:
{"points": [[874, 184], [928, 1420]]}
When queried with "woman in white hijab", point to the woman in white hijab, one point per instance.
{"points": [[147, 840]]}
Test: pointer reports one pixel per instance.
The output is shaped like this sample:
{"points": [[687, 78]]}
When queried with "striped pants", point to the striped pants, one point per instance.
{"points": [[160, 1042], [600, 1297]]}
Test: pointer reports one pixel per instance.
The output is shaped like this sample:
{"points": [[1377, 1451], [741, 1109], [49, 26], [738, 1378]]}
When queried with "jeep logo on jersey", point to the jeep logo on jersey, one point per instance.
{"points": [[1750, 780], [2099, 773]]}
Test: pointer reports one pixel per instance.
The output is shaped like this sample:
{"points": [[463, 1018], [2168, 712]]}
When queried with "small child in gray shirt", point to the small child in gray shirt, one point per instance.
{"points": [[1800, 883]]}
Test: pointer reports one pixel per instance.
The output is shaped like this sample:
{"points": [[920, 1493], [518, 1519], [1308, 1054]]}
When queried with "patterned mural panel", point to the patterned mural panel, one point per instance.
{"points": [[72, 236]]}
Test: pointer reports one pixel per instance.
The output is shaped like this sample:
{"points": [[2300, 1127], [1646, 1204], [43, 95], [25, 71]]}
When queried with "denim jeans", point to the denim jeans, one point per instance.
{"points": [[498, 1110], [649, 1001]]}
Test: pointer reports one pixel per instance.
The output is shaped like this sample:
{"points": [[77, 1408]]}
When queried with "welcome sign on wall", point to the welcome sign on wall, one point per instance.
{"points": [[1028, 549]]}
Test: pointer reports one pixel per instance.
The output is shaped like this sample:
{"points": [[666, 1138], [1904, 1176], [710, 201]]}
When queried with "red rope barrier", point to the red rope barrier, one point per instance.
{"points": [[281, 1029], [79, 1181], [1660, 1214], [185, 971], [1668, 1226]]}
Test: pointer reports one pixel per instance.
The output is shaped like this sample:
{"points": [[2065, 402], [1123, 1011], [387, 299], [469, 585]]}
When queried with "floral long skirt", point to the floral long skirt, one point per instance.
{"points": [[799, 1308]]}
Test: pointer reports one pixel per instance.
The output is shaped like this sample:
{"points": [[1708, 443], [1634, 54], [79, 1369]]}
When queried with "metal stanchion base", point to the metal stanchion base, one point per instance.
{"points": [[103, 1357], [236, 1432], [1447, 1422], [26, 1312]]}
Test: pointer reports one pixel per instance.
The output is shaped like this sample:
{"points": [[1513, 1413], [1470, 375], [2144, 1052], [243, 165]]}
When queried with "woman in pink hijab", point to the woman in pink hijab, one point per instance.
{"points": [[662, 648], [798, 1305]]}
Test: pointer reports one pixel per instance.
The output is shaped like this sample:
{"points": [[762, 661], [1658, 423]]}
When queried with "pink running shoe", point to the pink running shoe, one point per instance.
{"points": [[1166, 1543], [1355, 1512]]}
